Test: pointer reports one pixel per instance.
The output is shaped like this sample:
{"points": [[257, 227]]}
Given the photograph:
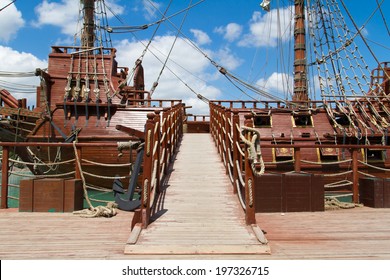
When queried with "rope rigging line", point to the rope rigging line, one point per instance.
{"points": [[383, 16], [131, 74], [363, 37], [339, 82], [126, 29], [170, 51], [7, 5]]}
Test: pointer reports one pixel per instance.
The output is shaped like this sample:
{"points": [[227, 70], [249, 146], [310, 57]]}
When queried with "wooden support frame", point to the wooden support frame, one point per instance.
{"points": [[4, 179]]}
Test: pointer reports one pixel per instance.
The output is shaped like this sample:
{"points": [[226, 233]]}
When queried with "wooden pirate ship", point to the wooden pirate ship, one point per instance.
{"points": [[280, 154], [85, 96]]}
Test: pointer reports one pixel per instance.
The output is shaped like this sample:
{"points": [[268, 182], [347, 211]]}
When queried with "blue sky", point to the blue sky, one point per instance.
{"points": [[234, 34]]}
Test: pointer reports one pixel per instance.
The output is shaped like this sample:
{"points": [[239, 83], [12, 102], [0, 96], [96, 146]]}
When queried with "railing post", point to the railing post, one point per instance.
{"points": [[158, 154], [218, 131], [4, 178], [250, 216], [147, 171], [175, 130], [297, 159], [164, 129], [235, 123], [355, 175], [227, 139]]}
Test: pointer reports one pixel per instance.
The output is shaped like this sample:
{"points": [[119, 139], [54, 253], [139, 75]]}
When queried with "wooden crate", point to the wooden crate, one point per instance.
{"points": [[374, 192], [26, 195], [294, 192], [50, 195]]}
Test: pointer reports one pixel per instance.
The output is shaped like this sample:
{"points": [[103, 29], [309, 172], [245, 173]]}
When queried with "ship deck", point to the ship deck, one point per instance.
{"points": [[196, 225], [360, 233]]}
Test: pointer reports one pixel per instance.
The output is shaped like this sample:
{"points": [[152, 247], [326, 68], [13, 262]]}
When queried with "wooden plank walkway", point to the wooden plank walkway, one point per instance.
{"points": [[198, 214]]}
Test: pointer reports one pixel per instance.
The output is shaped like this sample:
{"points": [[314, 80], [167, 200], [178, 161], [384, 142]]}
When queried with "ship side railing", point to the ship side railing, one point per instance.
{"points": [[162, 135], [242, 157]]}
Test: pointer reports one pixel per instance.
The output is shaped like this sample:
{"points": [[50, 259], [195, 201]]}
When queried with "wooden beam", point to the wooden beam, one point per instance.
{"points": [[131, 131], [4, 178]]}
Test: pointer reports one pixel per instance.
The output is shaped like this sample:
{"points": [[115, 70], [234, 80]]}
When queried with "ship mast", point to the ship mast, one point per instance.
{"points": [[300, 74], [88, 35]]}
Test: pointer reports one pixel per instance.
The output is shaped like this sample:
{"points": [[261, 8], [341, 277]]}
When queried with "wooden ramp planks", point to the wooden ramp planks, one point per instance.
{"points": [[198, 214]]}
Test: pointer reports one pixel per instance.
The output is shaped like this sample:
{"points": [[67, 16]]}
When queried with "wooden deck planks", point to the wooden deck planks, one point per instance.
{"points": [[201, 215], [359, 233], [62, 236]]}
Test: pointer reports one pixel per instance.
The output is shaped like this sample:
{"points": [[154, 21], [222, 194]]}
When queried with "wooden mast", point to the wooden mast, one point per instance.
{"points": [[88, 35], [300, 73]]}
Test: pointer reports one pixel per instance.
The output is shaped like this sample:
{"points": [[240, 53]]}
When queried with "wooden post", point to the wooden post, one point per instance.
{"points": [[165, 142], [147, 171], [355, 174], [4, 178], [250, 217], [297, 159], [227, 140], [77, 169], [236, 140], [158, 154]]}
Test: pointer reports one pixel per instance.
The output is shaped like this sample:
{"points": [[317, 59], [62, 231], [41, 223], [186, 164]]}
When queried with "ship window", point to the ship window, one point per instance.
{"points": [[375, 155], [302, 120], [342, 120], [262, 121]]}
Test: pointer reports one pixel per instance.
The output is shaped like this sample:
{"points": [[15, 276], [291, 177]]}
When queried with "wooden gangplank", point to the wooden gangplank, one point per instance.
{"points": [[197, 214]]}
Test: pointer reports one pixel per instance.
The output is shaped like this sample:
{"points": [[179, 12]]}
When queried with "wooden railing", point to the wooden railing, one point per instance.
{"points": [[226, 128], [162, 136], [163, 132]]}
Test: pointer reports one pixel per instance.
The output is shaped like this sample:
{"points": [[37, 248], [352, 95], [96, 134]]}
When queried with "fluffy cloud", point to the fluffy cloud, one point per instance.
{"points": [[193, 70], [150, 9], [230, 32], [278, 84], [201, 38], [65, 14], [266, 29], [10, 21], [14, 61]]}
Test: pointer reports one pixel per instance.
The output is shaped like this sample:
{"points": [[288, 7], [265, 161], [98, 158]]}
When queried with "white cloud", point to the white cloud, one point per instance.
{"points": [[230, 32], [227, 59], [201, 38], [10, 21], [266, 29], [14, 61], [151, 9], [65, 14], [194, 70], [277, 84]]}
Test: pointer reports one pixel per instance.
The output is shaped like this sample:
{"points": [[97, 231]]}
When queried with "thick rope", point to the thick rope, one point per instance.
{"points": [[92, 212], [254, 152], [332, 203]]}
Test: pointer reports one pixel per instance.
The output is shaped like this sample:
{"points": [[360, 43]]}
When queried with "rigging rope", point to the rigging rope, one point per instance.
{"points": [[169, 53]]}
